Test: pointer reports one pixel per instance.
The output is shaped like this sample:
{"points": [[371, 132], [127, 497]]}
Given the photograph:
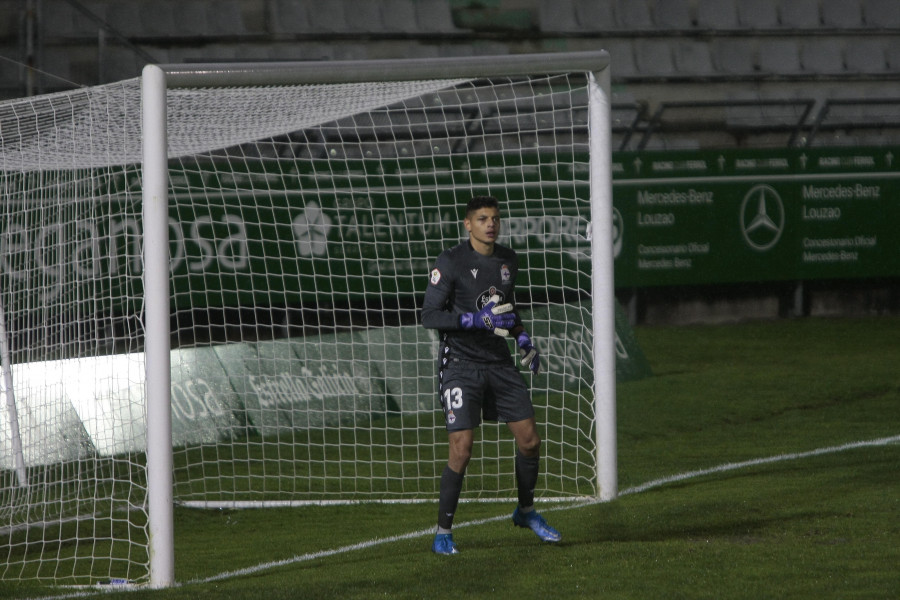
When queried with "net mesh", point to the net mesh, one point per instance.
{"points": [[303, 224]]}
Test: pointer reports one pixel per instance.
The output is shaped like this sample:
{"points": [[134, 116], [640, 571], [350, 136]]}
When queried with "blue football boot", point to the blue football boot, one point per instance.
{"points": [[535, 522], [443, 544]]}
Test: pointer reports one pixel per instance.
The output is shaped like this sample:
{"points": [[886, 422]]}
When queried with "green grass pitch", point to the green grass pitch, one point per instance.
{"points": [[782, 521]]}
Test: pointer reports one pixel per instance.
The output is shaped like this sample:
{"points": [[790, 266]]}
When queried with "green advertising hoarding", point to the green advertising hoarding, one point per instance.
{"points": [[317, 381], [358, 228], [252, 233], [681, 218], [686, 218]]}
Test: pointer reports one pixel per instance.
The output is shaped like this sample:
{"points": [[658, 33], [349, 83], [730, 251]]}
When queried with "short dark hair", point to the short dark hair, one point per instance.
{"points": [[478, 202]]}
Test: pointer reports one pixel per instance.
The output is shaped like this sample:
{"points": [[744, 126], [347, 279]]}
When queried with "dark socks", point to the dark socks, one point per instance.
{"points": [[526, 478], [451, 488]]}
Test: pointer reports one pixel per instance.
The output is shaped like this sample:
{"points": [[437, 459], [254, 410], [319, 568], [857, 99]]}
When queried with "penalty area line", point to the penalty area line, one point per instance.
{"points": [[579, 503], [342, 550], [576, 504], [757, 462]]}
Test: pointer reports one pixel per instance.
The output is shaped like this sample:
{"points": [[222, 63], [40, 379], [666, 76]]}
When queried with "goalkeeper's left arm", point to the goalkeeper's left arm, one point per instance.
{"points": [[528, 354]]}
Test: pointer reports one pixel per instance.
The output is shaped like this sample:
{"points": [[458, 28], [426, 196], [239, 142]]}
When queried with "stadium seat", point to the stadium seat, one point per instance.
{"points": [[572, 16], [673, 14], [734, 56], [594, 16], [692, 58], [366, 17], [329, 17], [866, 55], [780, 56], [717, 14], [881, 14], [633, 14], [841, 14], [892, 55], [432, 16], [759, 14], [621, 55], [822, 56], [290, 17], [399, 16], [654, 57], [800, 14], [557, 16]]}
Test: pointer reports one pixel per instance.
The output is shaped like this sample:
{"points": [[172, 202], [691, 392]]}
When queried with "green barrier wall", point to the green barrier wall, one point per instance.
{"points": [[273, 238], [347, 378]]}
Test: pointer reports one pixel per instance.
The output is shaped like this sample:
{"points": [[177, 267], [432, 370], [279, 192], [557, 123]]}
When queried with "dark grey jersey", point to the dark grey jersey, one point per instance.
{"points": [[462, 281]]}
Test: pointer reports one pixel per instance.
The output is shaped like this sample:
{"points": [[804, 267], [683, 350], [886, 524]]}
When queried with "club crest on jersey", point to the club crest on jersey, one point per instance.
{"points": [[504, 273], [485, 297], [435, 277]]}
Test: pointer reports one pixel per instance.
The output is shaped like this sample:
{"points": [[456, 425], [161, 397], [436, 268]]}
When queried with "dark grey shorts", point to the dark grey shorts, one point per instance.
{"points": [[472, 391]]}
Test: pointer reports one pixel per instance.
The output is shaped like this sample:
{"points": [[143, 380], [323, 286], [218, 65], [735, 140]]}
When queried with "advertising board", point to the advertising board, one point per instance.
{"points": [[742, 216]]}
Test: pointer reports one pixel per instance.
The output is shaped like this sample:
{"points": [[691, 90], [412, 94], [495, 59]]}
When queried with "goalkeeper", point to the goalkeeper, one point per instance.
{"points": [[470, 301]]}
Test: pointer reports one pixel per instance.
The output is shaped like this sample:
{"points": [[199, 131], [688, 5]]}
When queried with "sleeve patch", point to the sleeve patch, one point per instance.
{"points": [[435, 276]]}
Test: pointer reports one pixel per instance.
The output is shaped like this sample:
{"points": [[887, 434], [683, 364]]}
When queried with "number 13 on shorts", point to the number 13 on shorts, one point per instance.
{"points": [[453, 398]]}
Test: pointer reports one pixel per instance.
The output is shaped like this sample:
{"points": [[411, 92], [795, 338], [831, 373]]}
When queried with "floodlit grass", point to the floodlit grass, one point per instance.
{"points": [[824, 526]]}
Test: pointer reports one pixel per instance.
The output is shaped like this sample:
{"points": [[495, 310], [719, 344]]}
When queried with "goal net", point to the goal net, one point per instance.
{"points": [[259, 306]]}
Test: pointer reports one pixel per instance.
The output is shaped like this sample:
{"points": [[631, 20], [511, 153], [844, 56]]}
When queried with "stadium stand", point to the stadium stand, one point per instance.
{"points": [[754, 41]]}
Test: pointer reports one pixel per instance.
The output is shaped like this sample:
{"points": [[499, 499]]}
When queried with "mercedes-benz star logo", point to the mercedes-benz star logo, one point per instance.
{"points": [[618, 231], [762, 217], [311, 231]]}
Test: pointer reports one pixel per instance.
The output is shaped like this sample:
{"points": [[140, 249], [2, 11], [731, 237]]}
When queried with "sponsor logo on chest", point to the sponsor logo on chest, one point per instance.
{"points": [[505, 274]]}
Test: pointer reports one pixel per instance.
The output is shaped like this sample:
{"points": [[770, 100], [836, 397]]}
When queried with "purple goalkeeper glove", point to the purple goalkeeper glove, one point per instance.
{"points": [[530, 357], [492, 318]]}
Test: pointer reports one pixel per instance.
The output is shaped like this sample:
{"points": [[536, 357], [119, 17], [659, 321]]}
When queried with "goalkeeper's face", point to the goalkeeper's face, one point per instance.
{"points": [[483, 226]]}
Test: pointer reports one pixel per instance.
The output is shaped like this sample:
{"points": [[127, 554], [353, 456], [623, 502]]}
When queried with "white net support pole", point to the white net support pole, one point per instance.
{"points": [[156, 314], [9, 393], [603, 293]]}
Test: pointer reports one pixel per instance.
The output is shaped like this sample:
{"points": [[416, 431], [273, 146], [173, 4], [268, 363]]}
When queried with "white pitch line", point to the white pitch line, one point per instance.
{"points": [[627, 492], [578, 504], [759, 461]]}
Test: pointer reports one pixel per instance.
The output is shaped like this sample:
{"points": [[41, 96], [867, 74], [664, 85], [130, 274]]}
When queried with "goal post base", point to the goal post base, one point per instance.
{"points": [[262, 504]]}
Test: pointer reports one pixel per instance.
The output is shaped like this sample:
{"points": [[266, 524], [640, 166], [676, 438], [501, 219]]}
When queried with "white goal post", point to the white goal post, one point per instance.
{"points": [[156, 81], [210, 284]]}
